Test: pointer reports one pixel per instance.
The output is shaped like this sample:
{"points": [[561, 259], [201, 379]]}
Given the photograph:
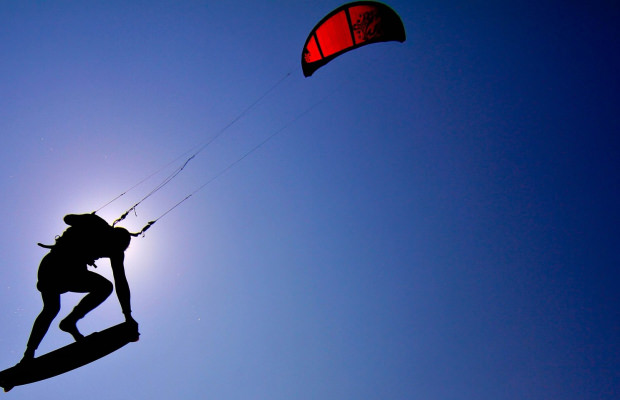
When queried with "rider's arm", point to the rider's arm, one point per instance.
{"points": [[120, 282]]}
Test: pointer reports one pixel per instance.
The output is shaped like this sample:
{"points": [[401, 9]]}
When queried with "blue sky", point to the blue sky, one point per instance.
{"points": [[438, 220]]}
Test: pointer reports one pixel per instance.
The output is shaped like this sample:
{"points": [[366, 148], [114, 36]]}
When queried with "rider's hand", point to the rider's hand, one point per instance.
{"points": [[130, 321], [133, 325]]}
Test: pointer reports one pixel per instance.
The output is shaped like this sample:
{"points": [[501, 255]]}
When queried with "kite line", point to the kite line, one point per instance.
{"points": [[234, 163], [194, 153], [198, 149]]}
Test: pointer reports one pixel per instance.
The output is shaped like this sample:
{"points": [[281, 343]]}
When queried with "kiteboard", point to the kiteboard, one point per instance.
{"points": [[70, 357]]}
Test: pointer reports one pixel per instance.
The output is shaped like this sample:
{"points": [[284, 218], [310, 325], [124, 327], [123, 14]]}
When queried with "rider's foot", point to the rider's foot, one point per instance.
{"points": [[69, 326]]}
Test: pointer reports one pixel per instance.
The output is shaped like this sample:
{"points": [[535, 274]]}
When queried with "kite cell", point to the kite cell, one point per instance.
{"points": [[348, 27]]}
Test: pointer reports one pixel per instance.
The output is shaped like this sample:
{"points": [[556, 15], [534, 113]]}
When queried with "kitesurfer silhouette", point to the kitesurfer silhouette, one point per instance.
{"points": [[65, 269]]}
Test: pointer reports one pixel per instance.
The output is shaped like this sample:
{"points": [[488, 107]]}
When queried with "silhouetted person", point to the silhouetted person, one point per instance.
{"points": [[65, 269]]}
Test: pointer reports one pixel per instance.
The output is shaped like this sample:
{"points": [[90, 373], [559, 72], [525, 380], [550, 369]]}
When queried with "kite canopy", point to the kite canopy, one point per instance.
{"points": [[348, 27]]}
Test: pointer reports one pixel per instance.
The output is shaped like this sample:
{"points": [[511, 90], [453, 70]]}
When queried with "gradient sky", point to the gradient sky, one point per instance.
{"points": [[438, 220]]}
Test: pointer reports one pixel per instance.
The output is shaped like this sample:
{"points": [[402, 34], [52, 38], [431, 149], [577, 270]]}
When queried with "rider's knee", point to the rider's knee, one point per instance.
{"points": [[106, 287], [51, 309]]}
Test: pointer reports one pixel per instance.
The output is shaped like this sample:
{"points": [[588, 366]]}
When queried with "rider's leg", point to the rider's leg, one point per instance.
{"points": [[98, 289], [51, 306]]}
